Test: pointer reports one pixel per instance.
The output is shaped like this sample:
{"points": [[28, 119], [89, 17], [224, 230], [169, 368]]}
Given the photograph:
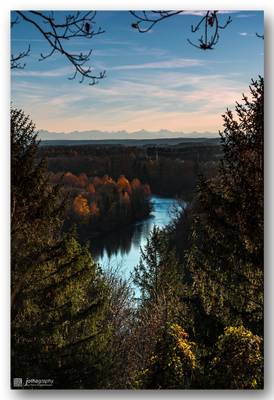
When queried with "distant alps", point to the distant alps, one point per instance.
{"points": [[120, 135]]}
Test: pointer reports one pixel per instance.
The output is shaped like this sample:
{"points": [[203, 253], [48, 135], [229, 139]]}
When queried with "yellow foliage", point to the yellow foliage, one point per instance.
{"points": [[80, 205]]}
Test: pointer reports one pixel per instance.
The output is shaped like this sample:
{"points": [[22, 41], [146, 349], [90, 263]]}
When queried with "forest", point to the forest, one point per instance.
{"points": [[198, 322], [158, 166], [99, 205]]}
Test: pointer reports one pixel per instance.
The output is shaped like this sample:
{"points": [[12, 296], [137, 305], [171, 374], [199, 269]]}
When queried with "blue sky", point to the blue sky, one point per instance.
{"points": [[153, 81]]}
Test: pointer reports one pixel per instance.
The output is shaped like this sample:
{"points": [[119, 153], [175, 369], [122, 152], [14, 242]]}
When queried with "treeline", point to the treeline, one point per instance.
{"points": [[169, 170], [199, 321], [99, 205]]}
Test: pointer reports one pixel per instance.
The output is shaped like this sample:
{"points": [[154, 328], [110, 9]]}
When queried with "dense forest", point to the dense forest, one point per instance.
{"points": [[198, 323], [99, 205], [158, 166]]}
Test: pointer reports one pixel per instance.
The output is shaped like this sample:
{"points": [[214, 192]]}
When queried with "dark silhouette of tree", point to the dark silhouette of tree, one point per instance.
{"points": [[57, 32], [226, 256], [210, 23], [58, 294]]}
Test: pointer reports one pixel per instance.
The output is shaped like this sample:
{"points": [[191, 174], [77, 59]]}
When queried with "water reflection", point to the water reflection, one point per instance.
{"points": [[123, 241], [123, 247]]}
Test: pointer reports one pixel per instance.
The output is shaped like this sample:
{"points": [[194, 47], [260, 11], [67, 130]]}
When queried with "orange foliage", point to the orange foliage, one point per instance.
{"points": [[125, 198], [83, 180], [97, 181], [80, 205], [91, 188], [123, 184], [70, 179], [94, 209], [107, 179]]}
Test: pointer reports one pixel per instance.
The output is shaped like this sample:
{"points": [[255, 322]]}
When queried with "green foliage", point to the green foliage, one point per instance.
{"points": [[172, 364], [59, 324], [226, 257], [59, 297], [238, 360], [33, 200], [158, 276]]}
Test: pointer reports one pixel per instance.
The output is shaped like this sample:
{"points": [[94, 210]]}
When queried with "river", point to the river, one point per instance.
{"points": [[122, 248]]}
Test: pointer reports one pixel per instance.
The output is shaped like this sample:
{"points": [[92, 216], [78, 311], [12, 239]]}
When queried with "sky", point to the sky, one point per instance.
{"points": [[154, 81]]}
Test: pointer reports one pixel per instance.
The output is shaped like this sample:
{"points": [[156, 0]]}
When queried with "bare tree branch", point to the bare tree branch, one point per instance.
{"points": [[15, 61], [14, 22], [79, 24], [209, 22], [147, 19], [259, 36]]}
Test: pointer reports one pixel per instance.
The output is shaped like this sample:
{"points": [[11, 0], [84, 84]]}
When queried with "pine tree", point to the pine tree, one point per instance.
{"points": [[226, 257], [58, 294], [158, 275]]}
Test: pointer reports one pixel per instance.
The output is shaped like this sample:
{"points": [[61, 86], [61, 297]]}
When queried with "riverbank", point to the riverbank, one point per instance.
{"points": [[123, 247]]}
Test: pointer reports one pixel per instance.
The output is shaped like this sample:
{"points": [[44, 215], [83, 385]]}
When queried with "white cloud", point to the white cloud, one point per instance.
{"points": [[245, 15], [246, 34], [168, 64], [43, 74], [202, 13]]}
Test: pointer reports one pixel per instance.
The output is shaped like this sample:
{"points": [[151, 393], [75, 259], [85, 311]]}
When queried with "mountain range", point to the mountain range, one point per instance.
{"points": [[120, 135]]}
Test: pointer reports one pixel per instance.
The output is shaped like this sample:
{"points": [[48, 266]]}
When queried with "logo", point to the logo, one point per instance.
{"points": [[17, 382], [39, 382]]}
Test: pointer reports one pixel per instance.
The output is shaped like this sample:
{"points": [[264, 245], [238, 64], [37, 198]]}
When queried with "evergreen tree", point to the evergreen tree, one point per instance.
{"points": [[226, 257], [158, 275], [58, 294]]}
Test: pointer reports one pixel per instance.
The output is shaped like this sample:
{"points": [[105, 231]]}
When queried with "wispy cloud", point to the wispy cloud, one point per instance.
{"points": [[201, 13], [167, 64], [245, 15], [174, 100], [246, 34], [27, 40], [51, 73]]}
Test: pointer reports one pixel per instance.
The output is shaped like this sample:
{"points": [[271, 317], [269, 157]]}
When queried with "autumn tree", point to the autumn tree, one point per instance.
{"points": [[238, 360], [172, 364], [80, 205], [99, 205], [124, 184]]}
